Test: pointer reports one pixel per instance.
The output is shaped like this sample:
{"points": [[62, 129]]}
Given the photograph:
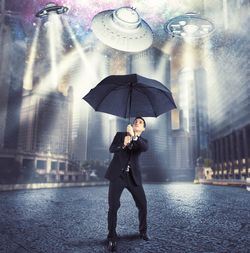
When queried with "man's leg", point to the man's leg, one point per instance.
{"points": [[141, 203], [115, 190]]}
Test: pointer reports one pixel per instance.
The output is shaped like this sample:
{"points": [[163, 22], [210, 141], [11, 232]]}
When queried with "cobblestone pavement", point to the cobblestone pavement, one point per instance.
{"points": [[182, 217]]}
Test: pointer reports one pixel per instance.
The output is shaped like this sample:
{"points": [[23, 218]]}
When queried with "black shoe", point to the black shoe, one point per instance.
{"points": [[144, 237], [112, 246]]}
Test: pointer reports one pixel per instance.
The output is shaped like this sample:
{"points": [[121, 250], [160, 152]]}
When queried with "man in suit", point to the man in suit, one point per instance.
{"points": [[124, 172]]}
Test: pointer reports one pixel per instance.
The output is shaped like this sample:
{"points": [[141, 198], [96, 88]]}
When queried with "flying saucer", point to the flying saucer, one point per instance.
{"points": [[122, 29], [51, 8], [190, 25]]}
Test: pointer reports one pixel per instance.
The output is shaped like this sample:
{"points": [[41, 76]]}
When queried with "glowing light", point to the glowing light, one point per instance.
{"points": [[80, 50], [28, 74], [62, 67], [184, 194], [211, 78], [55, 46], [182, 22], [168, 47], [190, 26]]}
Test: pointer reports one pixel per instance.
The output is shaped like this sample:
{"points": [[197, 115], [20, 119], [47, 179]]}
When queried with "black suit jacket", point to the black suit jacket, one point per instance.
{"points": [[130, 154]]}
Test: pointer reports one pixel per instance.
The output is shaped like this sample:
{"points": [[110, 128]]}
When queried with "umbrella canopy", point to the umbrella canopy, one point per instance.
{"points": [[130, 96]]}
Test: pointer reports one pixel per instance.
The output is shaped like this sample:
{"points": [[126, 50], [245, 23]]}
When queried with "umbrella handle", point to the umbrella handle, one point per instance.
{"points": [[130, 101]]}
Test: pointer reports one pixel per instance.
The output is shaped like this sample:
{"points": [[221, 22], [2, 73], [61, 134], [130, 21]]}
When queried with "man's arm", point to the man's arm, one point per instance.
{"points": [[139, 144], [117, 144]]}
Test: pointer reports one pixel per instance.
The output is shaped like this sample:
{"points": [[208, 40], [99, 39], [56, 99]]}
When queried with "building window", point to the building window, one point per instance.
{"points": [[28, 163], [53, 165], [175, 119], [62, 166], [41, 164]]}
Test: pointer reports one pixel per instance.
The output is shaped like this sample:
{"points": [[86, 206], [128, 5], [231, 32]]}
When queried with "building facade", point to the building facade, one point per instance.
{"points": [[229, 93], [12, 54], [45, 142]]}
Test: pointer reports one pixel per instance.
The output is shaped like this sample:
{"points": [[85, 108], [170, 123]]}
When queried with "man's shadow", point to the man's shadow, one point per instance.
{"points": [[129, 237]]}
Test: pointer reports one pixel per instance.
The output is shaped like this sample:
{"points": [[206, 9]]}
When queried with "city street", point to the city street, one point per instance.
{"points": [[182, 217]]}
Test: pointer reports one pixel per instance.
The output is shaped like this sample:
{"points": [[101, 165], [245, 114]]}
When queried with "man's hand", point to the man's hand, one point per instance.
{"points": [[127, 140], [130, 130]]}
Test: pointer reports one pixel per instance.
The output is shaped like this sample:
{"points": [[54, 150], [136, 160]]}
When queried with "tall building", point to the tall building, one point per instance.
{"points": [[180, 155], [201, 113], [36, 125], [91, 129], [189, 137], [153, 63], [12, 51], [45, 142], [229, 94], [45, 122], [98, 136], [12, 56]]}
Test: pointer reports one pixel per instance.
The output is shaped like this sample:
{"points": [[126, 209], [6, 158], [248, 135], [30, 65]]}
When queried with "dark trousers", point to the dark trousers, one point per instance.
{"points": [[116, 188]]}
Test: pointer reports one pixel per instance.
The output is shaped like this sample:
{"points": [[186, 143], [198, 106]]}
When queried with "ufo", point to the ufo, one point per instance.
{"points": [[191, 25], [122, 29], [51, 8]]}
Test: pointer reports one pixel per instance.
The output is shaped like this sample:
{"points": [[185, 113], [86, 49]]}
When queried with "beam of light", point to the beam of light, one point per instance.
{"points": [[160, 71], [52, 46], [66, 70], [74, 70], [55, 45], [211, 79], [186, 79], [83, 81], [225, 14], [188, 56], [168, 47], [61, 63], [62, 68], [90, 71], [28, 74], [72, 67], [187, 63]]}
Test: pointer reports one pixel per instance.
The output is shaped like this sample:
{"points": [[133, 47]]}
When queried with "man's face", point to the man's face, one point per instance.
{"points": [[138, 125]]}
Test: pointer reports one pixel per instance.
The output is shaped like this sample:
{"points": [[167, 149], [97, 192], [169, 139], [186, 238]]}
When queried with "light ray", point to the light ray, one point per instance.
{"points": [[28, 75]]}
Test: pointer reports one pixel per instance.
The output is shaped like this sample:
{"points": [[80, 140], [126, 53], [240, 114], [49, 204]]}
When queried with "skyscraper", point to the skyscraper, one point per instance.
{"points": [[229, 94], [189, 136], [12, 55], [153, 63]]}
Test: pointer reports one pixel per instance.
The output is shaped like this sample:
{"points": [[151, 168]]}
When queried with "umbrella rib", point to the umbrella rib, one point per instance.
{"points": [[148, 99], [129, 102], [169, 95]]}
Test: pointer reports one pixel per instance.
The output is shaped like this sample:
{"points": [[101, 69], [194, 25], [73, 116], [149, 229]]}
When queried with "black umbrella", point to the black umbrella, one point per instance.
{"points": [[130, 96]]}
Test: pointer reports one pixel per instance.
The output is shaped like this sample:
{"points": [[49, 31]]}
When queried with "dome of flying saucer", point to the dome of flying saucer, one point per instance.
{"points": [[190, 25], [122, 29], [51, 8]]}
